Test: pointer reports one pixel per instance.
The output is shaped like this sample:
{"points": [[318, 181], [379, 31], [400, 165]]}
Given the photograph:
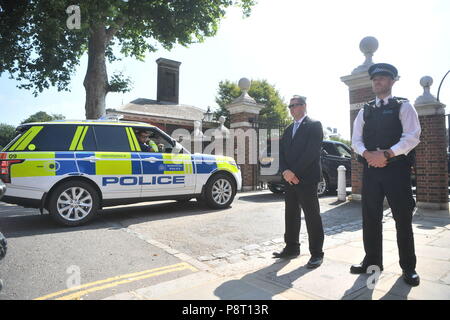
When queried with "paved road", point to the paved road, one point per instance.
{"points": [[133, 246]]}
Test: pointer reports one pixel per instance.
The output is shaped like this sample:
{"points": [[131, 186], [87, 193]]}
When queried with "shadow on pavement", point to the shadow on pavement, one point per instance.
{"points": [[18, 222], [242, 289]]}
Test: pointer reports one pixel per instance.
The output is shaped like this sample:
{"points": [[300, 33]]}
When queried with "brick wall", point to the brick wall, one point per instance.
{"points": [[431, 161], [242, 117], [360, 95], [248, 170]]}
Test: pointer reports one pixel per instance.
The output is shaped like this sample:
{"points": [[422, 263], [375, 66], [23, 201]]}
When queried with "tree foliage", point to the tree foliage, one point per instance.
{"points": [[344, 141], [274, 112], [42, 116], [7, 133], [39, 50]]}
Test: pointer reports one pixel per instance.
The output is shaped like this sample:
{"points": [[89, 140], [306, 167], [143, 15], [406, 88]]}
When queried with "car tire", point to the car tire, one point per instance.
{"points": [[275, 189], [73, 203], [220, 191], [323, 186], [3, 246]]}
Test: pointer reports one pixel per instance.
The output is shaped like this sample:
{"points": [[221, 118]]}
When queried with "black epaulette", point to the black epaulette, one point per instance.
{"points": [[399, 100], [368, 107]]}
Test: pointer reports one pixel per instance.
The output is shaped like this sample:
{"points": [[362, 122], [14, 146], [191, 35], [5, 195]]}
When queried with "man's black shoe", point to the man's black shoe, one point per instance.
{"points": [[411, 278], [314, 262], [361, 268], [286, 254]]}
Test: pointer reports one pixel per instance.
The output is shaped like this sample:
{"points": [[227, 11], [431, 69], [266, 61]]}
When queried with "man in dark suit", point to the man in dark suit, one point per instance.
{"points": [[300, 149]]}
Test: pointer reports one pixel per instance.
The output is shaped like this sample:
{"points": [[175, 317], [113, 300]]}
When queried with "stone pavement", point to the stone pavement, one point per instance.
{"points": [[250, 272]]}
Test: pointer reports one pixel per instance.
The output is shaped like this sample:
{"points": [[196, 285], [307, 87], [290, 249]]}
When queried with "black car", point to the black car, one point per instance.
{"points": [[3, 246], [333, 155]]}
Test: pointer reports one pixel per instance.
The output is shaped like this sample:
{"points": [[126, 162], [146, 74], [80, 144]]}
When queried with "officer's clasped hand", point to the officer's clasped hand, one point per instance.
{"points": [[375, 158]]}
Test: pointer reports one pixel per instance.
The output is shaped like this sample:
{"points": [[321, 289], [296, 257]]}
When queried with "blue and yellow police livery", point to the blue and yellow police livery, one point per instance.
{"points": [[74, 168]]}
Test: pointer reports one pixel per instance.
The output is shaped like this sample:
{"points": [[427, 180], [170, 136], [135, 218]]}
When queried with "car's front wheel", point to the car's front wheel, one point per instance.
{"points": [[73, 203], [220, 191]]}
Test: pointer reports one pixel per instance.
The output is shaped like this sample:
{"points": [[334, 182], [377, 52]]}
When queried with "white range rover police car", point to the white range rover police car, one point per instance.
{"points": [[74, 168]]}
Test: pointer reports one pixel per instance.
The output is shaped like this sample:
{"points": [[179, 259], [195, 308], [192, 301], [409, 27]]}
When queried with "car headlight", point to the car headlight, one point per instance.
{"points": [[233, 163]]}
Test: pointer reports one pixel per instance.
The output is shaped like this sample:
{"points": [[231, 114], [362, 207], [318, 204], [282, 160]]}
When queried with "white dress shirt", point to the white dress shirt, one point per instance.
{"points": [[411, 129], [297, 123]]}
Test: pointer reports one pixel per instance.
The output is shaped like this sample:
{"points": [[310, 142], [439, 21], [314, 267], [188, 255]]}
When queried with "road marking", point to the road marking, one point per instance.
{"points": [[115, 281]]}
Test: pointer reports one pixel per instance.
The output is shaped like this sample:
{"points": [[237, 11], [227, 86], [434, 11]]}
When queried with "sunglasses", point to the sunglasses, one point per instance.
{"points": [[295, 105]]}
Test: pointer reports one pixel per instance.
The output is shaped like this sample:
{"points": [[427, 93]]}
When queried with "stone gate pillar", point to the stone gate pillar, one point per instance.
{"points": [[360, 92], [431, 153], [243, 112]]}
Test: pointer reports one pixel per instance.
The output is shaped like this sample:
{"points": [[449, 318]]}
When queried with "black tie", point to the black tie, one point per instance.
{"points": [[381, 103]]}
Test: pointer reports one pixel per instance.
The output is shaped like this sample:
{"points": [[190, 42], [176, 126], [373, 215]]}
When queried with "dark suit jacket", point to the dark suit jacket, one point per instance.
{"points": [[301, 154]]}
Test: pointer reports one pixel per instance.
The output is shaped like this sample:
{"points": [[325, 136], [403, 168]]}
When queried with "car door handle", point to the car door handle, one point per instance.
{"points": [[151, 159], [90, 159]]}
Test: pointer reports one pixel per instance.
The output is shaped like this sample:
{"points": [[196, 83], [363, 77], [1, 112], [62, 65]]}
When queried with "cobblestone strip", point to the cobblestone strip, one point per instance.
{"points": [[265, 249]]}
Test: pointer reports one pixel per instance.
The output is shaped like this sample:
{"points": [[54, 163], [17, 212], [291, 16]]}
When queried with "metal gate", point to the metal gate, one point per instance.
{"points": [[267, 133]]}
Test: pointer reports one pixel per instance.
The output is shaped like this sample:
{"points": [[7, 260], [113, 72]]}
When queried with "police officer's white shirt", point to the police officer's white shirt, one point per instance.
{"points": [[411, 129]]}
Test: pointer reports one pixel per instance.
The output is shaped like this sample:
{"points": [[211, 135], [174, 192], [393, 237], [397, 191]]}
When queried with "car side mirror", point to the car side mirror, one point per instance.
{"points": [[177, 148]]}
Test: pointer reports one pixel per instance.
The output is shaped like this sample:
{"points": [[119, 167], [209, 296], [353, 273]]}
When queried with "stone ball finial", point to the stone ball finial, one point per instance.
{"points": [[426, 97], [368, 45], [244, 84], [426, 81]]}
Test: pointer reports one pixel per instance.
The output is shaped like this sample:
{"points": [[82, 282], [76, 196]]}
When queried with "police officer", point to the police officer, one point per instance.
{"points": [[385, 132], [144, 137]]}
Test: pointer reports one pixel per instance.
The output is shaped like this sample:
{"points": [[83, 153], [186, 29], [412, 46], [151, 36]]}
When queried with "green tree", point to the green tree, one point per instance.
{"points": [[344, 141], [39, 50], [42, 116], [7, 133], [275, 110]]}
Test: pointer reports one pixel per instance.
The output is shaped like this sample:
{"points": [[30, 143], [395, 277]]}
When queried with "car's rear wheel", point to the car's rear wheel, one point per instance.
{"points": [[322, 187], [73, 203], [220, 191]]}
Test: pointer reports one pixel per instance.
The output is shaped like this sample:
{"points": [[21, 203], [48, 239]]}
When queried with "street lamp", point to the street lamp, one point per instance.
{"points": [[439, 89], [208, 115]]}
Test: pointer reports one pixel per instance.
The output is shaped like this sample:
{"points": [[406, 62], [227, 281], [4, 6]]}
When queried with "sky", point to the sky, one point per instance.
{"points": [[301, 47]]}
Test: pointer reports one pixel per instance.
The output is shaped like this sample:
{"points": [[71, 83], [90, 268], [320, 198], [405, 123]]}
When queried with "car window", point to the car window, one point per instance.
{"points": [[153, 140], [47, 138], [330, 149], [83, 139], [343, 152], [88, 143], [112, 138]]}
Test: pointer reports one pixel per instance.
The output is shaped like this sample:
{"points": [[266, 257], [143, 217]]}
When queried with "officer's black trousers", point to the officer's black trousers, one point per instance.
{"points": [[298, 197], [394, 182]]}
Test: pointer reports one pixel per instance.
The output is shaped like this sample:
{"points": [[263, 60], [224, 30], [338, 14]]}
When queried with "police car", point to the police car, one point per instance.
{"points": [[74, 168]]}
